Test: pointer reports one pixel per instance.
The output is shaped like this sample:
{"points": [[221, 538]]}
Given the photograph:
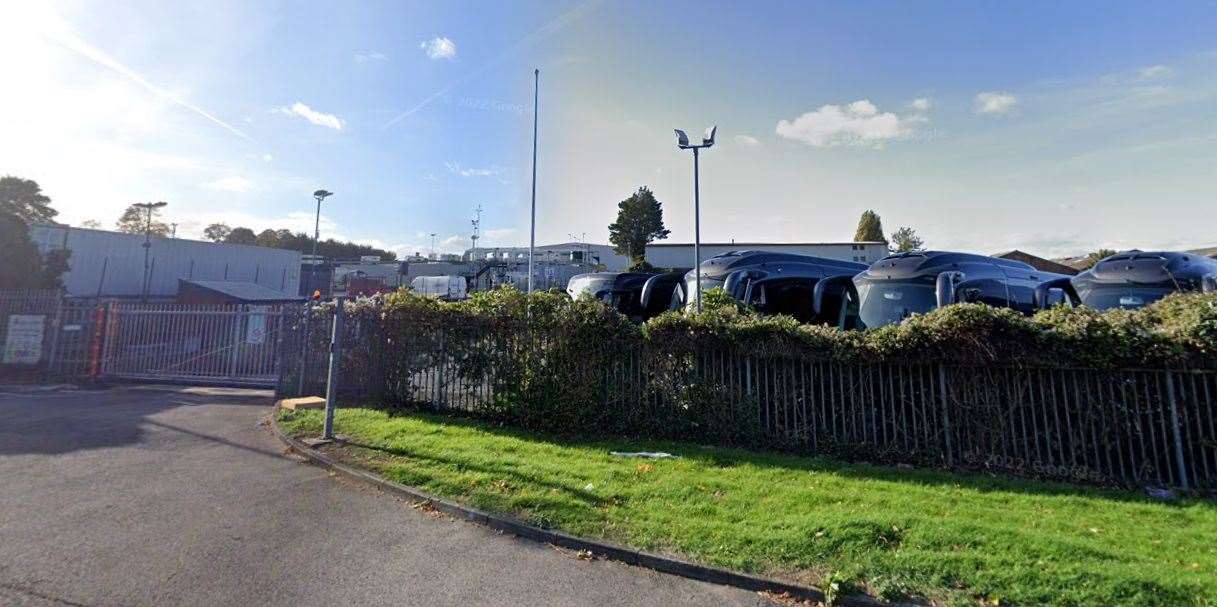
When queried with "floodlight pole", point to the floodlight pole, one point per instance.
{"points": [[682, 142], [532, 232], [148, 207], [312, 266], [696, 231]]}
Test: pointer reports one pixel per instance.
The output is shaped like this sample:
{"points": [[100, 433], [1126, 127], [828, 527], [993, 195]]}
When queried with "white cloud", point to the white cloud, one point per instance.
{"points": [[747, 140], [439, 48], [922, 104], [267, 158], [369, 57], [857, 124], [456, 169], [233, 183], [454, 243], [498, 235], [311, 115], [1155, 72], [994, 103]]}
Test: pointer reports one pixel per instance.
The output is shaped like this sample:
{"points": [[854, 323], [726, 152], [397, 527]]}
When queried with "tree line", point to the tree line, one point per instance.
{"points": [[296, 241], [135, 220]]}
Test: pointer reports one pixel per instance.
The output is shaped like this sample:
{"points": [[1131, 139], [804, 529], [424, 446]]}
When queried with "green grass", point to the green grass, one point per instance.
{"points": [[950, 537]]}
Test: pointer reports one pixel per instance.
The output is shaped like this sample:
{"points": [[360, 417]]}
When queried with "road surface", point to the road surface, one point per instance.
{"points": [[163, 495]]}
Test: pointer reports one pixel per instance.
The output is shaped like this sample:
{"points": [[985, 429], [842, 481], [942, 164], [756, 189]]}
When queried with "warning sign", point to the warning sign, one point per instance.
{"points": [[24, 343]]}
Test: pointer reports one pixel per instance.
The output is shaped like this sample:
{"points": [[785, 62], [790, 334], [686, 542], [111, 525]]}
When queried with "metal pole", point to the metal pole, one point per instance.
{"points": [[331, 390], [532, 235], [1180, 460], [696, 232], [312, 265], [147, 249]]}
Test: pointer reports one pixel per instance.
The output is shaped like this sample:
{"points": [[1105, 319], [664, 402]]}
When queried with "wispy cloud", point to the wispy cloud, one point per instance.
{"points": [[370, 56], [439, 47], [856, 124], [61, 33], [747, 140], [1155, 72], [537, 35], [498, 235], [456, 169], [921, 104], [994, 103], [232, 183], [311, 115]]}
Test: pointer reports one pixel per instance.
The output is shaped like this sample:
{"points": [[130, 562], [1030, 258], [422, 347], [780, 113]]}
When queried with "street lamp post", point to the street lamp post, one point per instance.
{"points": [[682, 141], [148, 207], [312, 267]]}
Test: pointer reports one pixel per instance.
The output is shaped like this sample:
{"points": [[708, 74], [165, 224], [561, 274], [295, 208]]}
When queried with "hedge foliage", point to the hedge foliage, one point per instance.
{"points": [[1179, 331]]}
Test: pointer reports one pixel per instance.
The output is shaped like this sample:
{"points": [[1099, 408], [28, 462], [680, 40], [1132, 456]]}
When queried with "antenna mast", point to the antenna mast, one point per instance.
{"points": [[477, 226]]}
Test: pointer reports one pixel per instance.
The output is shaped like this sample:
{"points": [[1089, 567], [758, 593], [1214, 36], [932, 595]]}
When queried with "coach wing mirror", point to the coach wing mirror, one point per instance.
{"points": [[738, 282], [1208, 283], [1053, 292], [944, 287], [1057, 297], [830, 289]]}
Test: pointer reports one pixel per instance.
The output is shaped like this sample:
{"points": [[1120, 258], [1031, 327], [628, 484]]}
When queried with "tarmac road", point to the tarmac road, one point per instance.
{"points": [[163, 495]]}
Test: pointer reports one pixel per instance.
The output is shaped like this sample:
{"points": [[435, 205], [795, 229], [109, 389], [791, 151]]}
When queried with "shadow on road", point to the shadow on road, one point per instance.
{"points": [[74, 420]]}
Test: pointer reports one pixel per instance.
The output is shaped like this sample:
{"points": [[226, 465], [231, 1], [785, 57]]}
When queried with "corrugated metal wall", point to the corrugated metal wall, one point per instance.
{"points": [[112, 263]]}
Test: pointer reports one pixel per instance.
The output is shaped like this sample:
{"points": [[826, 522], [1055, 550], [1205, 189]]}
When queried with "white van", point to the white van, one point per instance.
{"points": [[448, 288]]}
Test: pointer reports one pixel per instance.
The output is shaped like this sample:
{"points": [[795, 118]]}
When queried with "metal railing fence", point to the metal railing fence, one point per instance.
{"points": [[1127, 427], [94, 339]]}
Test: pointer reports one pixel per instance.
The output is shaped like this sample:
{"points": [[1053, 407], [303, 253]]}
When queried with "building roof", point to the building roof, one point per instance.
{"points": [[1037, 262], [244, 291]]}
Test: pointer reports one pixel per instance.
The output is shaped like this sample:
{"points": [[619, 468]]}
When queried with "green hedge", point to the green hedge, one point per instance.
{"points": [[1179, 331]]}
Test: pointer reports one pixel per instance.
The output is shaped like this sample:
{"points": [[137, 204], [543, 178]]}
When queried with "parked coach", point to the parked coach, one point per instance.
{"points": [[903, 284], [638, 295], [1133, 279], [808, 288]]}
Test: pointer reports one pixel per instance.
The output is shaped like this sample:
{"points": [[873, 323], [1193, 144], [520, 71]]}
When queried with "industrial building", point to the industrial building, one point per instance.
{"points": [[568, 253], [111, 264], [680, 255]]}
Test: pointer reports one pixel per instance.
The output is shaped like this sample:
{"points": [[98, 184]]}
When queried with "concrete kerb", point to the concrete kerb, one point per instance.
{"points": [[629, 556]]}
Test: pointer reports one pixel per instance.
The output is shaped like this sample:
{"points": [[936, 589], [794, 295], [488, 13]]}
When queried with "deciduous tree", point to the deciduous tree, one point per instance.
{"points": [[216, 232], [23, 198], [906, 240], [134, 220]]}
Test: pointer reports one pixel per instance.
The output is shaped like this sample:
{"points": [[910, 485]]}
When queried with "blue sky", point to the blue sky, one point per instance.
{"points": [[1052, 127]]}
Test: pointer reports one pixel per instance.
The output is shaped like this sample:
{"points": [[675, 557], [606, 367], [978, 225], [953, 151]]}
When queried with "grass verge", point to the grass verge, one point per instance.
{"points": [[896, 532]]}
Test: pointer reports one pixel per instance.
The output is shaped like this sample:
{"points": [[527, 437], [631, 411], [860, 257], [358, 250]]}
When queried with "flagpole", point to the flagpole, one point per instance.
{"points": [[532, 235]]}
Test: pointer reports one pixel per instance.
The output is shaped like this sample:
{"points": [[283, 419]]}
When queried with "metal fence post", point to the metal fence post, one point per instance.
{"points": [[946, 420], [239, 316], [56, 325], [306, 315], [1175, 431], [331, 389]]}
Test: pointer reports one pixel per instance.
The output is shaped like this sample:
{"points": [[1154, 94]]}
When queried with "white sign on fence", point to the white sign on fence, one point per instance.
{"points": [[256, 326], [24, 343]]}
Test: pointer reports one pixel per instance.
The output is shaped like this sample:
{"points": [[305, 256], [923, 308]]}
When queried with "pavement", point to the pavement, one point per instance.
{"points": [[158, 495]]}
